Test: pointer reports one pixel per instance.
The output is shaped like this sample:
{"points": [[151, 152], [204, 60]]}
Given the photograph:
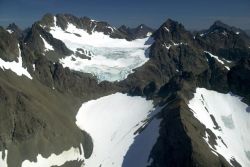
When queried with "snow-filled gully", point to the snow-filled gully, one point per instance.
{"points": [[16, 67]]}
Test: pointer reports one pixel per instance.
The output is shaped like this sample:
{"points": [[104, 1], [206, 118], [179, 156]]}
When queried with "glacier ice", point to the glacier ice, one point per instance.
{"points": [[112, 122], [111, 59]]}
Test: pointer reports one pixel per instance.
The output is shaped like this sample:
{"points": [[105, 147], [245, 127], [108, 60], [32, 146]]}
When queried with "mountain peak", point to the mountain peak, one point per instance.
{"points": [[47, 20], [172, 31], [172, 26], [220, 26], [13, 26]]}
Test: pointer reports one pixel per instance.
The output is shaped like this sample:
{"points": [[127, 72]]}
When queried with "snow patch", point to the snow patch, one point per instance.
{"points": [[56, 160], [237, 32], [113, 122], [112, 59], [149, 34], [34, 67], [47, 46], [9, 31], [166, 29], [168, 46], [16, 67], [3, 158], [202, 34], [224, 33], [219, 60], [232, 119], [112, 29]]}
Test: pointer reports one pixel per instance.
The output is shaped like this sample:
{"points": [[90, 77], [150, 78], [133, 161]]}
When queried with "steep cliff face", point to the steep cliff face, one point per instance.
{"points": [[40, 99]]}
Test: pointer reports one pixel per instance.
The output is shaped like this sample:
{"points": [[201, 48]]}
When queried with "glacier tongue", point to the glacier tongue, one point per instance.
{"points": [[111, 59], [231, 123]]}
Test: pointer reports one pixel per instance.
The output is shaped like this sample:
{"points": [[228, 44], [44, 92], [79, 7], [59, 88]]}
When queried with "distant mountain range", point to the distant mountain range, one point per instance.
{"points": [[80, 92]]}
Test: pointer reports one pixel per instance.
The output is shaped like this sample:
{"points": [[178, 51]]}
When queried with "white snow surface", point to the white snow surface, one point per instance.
{"points": [[166, 29], [232, 118], [9, 31], [168, 45], [219, 60], [202, 34], [47, 46], [112, 59], [3, 161], [16, 67], [143, 144], [113, 122], [55, 160]]}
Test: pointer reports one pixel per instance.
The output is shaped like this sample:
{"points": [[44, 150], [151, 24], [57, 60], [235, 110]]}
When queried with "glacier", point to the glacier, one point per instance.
{"points": [[111, 59], [232, 119], [120, 126], [114, 122]]}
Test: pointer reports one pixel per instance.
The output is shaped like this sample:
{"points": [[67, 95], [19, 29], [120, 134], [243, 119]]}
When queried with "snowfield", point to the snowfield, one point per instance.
{"points": [[16, 67], [233, 129], [113, 122], [111, 59]]}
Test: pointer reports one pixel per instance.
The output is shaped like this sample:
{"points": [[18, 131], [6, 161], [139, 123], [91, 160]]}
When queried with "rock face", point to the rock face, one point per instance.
{"points": [[8, 46], [225, 41], [62, 20], [34, 40], [39, 114], [140, 31]]}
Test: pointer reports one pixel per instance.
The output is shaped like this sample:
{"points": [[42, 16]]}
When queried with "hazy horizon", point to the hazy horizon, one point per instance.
{"points": [[194, 15]]}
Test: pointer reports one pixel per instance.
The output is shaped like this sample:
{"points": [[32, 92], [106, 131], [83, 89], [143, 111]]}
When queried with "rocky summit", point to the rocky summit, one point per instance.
{"points": [[80, 92]]}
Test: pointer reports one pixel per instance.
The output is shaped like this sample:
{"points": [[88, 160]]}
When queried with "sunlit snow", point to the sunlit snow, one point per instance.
{"points": [[113, 122], [168, 45], [233, 123], [16, 67], [9, 31], [218, 59], [3, 159], [166, 29], [47, 46], [112, 59], [56, 160], [143, 143]]}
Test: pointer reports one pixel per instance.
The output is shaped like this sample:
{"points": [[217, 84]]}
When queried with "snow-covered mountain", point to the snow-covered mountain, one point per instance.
{"points": [[79, 92]]}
